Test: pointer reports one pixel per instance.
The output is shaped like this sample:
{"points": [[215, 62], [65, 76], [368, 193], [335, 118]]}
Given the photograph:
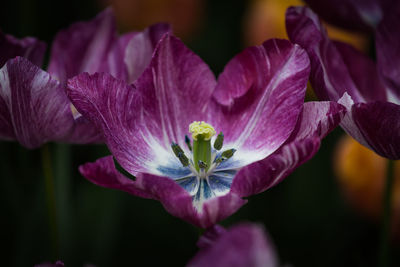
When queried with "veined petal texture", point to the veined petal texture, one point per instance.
{"points": [[35, 108]]}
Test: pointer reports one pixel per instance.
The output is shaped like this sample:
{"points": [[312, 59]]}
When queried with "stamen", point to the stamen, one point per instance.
{"points": [[225, 155], [176, 148], [202, 165], [183, 159], [219, 141], [180, 154], [228, 153], [188, 143]]}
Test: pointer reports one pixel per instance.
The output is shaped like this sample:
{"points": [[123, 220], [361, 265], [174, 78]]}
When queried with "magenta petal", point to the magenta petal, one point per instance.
{"points": [[84, 132], [330, 76], [242, 245], [210, 236], [28, 47], [388, 52], [133, 51], [261, 93], [140, 49], [361, 15], [115, 60], [363, 72], [173, 197], [379, 124], [316, 121], [214, 209], [182, 84], [83, 47], [36, 104], [109, 104], [103, 173], [262, 175]]}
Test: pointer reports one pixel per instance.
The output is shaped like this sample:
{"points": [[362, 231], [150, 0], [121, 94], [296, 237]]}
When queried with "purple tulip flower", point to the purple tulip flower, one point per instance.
{"points": [[34, 108], [256, 106], [370, 91], [242, 245]]}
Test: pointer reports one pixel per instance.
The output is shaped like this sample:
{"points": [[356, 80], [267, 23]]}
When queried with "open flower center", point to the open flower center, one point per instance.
{"points": [[210, 172]]}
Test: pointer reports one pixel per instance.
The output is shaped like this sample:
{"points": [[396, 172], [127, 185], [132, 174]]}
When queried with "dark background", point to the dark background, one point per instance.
{"points": [[306, 215]]}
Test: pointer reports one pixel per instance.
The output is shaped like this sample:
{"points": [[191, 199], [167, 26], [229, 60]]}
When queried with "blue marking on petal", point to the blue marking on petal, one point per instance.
{"points": [[203, 193], [174, 170], [220, 182], [190, 184], [231, 163]]}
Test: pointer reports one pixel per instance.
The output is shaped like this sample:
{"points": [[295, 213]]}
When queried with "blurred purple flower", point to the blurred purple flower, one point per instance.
{"points": [[360, 15], [257, 103], [34, 108], [49, 264], [370, 91], [29, 48], [242, 245]]}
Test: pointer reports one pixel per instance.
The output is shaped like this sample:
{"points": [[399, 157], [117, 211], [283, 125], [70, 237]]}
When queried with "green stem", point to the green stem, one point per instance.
{"points": [[50, 198], [62, 167], [385, 230]]}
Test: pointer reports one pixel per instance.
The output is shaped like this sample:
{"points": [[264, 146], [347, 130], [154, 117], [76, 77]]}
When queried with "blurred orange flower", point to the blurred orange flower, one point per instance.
{"points": [[361, 174], [184, 15], [266, 19]]}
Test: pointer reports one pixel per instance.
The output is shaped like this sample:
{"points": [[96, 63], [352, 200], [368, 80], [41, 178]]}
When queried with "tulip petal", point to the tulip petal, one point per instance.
{"points": [[388, 53], [139, 131], [264, 174], [363, 72], [330, 76], [37, 106], [261, 93], [242, 245], [103, 173], [28, 47], [133, 51], [83, 47], [140, 49], [84, 132], [108, 103], [317, 120], [361, 15], [174, 198], [379, 125]]}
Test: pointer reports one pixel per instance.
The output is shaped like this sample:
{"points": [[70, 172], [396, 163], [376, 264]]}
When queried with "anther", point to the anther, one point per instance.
{"points": [[183, 159], [202, 165], [176, 148], [228, 153], [219, 141], [225, 155], [188, 143], [180, 154]]}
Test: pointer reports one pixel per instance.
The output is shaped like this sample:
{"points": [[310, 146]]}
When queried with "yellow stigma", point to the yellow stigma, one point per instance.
{"points": [[202, 128]]}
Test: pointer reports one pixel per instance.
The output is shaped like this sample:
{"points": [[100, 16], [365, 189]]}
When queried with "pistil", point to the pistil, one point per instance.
{"points": [[201, 134]]}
